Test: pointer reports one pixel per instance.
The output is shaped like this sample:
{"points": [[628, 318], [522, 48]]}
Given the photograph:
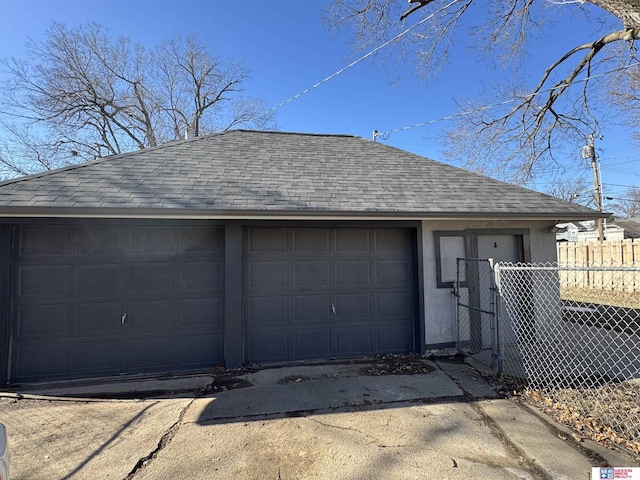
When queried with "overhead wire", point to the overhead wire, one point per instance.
{"points": [[622, 170], [448, 117], [366, 55], [619, 185], [633, 159], [620, 198], [505, 102], [385, 134]]}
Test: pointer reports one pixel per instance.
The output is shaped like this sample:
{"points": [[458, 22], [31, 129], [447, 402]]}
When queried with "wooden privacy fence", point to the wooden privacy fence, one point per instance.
{"points": [[601, 262]]}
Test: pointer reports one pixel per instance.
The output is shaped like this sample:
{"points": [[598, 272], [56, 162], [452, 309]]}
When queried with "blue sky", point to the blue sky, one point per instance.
{"points": [[288, 49]]}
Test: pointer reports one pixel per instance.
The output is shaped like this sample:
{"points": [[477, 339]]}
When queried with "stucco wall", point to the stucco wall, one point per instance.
{"points": [[439, 305]]}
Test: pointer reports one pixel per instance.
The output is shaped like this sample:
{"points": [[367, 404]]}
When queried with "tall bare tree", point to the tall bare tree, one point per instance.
{"points": [[628, 204], [520, 138], [92, 95], [572, 190]]}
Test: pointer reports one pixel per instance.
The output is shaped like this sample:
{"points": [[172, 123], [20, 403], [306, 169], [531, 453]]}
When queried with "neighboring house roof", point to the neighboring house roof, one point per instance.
{"points": [[631, 227], [584, 226], [584, 231], [569, 231], [265, 173]]}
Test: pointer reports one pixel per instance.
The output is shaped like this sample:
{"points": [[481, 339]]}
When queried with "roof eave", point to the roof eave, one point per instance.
{"points": [[182, 213]]}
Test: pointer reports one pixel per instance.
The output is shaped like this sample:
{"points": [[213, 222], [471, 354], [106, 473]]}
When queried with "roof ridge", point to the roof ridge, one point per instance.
{"points": [[310, 134]]}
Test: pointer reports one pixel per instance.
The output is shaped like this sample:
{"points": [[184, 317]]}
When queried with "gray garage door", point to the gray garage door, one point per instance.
{"points": [[313, 293], [93, 300]]}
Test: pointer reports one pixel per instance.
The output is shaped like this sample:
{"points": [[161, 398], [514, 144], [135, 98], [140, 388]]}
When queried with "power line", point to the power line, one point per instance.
{"points": [[505, 102], [633, 159], [618, 185], [622, 170], [366, 55], [624, 199], [448, 117]]}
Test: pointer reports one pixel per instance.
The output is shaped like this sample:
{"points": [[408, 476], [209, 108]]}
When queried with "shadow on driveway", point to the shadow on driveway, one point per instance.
{"points": [[326, 389]]}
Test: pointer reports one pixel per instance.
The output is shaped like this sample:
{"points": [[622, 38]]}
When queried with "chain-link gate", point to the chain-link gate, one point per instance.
{"points": [[475, 293]]}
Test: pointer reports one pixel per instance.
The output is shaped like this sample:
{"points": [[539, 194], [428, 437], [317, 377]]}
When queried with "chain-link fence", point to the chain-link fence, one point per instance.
{"points": [[573, 335]]}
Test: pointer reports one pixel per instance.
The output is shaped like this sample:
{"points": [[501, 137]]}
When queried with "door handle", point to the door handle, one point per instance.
{"points": [[123, 319], [333, 308]]}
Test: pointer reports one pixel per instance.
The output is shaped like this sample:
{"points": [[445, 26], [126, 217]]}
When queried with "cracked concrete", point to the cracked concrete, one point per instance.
{"points": [[164, 441], [404, 442], [65, 439], [335, 422]]}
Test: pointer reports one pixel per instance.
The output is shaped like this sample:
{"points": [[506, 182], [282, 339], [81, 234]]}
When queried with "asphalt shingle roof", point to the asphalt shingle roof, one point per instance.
{"points": [[268, 172]]}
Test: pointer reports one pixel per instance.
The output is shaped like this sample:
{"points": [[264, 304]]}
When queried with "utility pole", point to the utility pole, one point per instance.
{"points": [[589, 151]]}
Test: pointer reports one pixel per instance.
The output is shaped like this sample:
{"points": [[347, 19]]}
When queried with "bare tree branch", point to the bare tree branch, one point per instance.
{"points": [[526, 136], [571, 190], [627, 204], [95, 95]]}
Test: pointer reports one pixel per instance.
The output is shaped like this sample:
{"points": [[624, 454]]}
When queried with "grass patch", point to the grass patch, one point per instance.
{"points": [[614, 298]]}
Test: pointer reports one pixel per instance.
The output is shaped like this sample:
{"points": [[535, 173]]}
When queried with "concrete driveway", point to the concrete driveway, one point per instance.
{"points": [[340, 421]]}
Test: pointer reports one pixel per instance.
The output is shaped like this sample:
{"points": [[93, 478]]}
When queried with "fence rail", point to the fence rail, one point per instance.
{"points": [[578, 355], [593, 255], [610, 253]]}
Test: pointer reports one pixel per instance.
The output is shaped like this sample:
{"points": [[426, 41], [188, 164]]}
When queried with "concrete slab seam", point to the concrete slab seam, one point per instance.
{"points": [[500, 434], [519, 453]]}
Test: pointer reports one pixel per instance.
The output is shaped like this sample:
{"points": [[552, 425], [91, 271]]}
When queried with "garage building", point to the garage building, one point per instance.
{"points": [[246, 246]]}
